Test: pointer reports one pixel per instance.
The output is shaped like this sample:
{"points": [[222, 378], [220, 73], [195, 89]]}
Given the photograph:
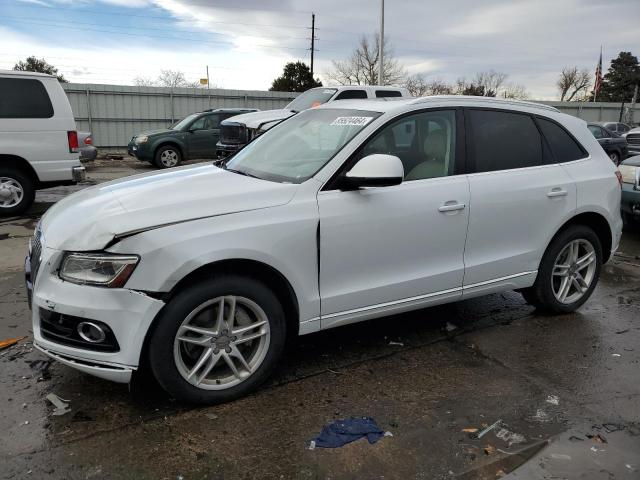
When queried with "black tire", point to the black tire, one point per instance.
{"points": [[541, 295], [615, 158], [25, 183], [171, 149], [161, 342]]}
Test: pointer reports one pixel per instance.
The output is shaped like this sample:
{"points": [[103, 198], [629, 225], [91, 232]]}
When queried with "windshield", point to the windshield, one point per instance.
{"points": [[296, 149], [181, 124], [311, 98]]}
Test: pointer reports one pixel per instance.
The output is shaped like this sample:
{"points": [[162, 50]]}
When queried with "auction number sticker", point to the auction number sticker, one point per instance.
{"points": [[357, 121]]}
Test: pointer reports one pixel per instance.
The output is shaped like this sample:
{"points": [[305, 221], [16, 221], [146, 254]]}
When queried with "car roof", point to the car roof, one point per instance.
{"points": [[369, 88], [23, 73], [384, 105]]}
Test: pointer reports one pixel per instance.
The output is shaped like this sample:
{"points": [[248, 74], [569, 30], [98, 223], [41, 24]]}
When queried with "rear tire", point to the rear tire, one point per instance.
{"points": [[167, 156], [17, 191], [568, 273], [615, 158], [192, 345]]}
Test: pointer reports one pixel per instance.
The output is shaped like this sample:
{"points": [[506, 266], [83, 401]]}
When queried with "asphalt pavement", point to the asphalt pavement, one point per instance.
{"points": [[562, 393]]}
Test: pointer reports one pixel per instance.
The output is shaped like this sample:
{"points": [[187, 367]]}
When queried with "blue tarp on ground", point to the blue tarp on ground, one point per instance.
{"points": [[345, 431]]}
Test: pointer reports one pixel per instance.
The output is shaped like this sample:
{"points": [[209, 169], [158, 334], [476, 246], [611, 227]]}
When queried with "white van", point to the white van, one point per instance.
{"points": [[38, 139]]}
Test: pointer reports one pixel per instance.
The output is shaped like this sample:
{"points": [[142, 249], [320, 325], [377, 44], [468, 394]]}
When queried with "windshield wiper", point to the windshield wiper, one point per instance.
{"points": [[240, 172]]}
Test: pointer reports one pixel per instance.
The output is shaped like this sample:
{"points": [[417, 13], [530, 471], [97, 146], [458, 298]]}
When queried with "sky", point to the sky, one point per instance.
{"points": [[246, 43]]}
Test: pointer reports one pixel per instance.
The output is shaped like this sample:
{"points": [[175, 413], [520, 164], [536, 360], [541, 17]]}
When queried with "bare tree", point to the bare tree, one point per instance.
{"points": [[361, 68], [573, 83], [144, 82], [515, 91], [490, 81], [419, 86]]}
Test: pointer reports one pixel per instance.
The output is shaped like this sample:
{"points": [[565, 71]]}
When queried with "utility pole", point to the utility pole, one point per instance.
{"points": [[313, 39], [381, 46], [633, 105], [207, 77]]}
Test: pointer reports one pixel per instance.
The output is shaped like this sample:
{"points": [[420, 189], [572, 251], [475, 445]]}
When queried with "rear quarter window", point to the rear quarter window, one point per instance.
{"points": [[350, 94], [563, 146], [388, 93], [24, 98]]}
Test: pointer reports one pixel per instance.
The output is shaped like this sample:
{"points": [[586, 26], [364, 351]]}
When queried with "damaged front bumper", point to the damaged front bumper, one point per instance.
{"points": [[56, 304]]}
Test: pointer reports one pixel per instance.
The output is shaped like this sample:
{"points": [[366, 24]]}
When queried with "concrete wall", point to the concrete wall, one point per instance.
{"points": [[595, 112], [115, 113]]}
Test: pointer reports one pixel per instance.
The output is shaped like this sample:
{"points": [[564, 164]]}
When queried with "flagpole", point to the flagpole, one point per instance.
{"points": [[598, 83]]}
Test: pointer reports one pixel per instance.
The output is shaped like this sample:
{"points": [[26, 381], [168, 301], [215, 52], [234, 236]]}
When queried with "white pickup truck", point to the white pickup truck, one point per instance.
{"points": [[38, 139]]}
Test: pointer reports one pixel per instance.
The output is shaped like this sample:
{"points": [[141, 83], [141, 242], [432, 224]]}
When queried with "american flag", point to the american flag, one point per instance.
{"points": [[598, 84]]}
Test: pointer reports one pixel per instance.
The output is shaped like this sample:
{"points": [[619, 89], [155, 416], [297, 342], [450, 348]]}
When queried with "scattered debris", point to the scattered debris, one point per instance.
{"points": [[62, 406], [334, 372], [510, 437], [450, 327], [399, 344], [42, 366], [560, 456], [489, 428], [573, 438], [622, 331], [489, 449], [616, 355], [211, 416], [540, 416], [613, 427], [553, 400], [470, 430], [10, 342], [596, 438], [341, 432], [26, 422]]}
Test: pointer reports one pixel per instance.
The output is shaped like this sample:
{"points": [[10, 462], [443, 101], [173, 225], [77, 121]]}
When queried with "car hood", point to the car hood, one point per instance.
{"points": [[633, 161], [92, 218], [158, 131], [255, 119]]}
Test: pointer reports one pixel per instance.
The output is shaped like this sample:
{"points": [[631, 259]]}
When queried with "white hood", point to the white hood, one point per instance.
{"points": [[91, 218], [255, 119]]}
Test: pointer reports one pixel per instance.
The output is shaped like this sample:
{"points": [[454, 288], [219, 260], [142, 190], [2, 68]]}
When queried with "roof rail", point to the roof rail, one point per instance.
{"points": [[495, 100]]}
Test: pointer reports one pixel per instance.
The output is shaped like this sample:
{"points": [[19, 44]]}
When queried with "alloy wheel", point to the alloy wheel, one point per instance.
{"points": [[222, 342], [11, 192], [573, 271], [169, 158]]}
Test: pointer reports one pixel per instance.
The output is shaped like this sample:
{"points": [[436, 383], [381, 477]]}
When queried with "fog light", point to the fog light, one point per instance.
{"points": [[90, 332]]}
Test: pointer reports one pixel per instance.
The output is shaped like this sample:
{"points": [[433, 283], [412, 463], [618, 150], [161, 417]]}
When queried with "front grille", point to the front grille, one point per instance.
{"points": [[35, 254], [63, 329], [633, 139], [232, 134]]}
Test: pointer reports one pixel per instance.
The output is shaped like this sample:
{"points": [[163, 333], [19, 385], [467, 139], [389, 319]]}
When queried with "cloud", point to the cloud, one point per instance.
{"points": [[36, 2]]}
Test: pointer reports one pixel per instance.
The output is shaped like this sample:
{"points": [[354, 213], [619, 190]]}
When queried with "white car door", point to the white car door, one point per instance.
{"points": [[520, 195], [389, 249]]}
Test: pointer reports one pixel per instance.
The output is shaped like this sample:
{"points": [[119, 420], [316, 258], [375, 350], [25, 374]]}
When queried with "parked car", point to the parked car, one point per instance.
{"points": [[633, 141], [612, 143], [630, 204], [615, 127], [342, 213], [38, 139], [237, 131], [195, 136], [88, 153]]}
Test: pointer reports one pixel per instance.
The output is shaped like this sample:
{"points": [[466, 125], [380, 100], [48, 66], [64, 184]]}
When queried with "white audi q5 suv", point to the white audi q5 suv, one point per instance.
{"points": [[340, 214]]}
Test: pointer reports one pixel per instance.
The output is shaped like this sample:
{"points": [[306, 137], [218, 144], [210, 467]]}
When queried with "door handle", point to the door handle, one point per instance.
{"points": [[557, 192], [451, 207]]}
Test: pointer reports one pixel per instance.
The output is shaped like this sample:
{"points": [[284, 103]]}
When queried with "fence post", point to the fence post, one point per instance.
{"points": [[171, 100], [580, 110], [89, 111]]}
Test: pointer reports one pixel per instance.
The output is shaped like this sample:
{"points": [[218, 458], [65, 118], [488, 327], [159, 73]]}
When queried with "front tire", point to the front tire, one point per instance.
{"points": [[167, 156], [218, 340], [17, 192], [615, 158], [568, 273]]}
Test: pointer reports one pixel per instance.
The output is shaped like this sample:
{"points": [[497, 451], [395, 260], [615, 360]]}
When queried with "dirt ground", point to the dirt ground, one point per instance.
{"points": [[564, 389]]}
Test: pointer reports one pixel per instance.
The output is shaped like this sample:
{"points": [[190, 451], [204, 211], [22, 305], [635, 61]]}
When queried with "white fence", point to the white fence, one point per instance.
{"points": [[115, 113]]}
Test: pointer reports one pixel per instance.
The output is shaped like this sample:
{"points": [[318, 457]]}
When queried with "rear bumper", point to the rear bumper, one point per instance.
{"points": [[88, 154], [223, 150], [630, 202]]}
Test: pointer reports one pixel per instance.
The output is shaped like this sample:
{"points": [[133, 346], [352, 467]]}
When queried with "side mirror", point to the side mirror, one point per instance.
{"points": [[377, 170]]}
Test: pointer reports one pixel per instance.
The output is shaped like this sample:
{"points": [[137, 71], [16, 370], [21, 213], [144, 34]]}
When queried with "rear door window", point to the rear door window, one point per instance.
{"points": [[24, 98], [563, 146], [350, 94], [503, 140]]}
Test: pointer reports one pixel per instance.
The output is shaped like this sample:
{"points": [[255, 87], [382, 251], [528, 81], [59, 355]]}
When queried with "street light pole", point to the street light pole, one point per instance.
{"points": [[381, 46]]}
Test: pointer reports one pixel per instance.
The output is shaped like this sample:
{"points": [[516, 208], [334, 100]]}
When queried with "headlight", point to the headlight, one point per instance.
{"points": [[630, 174], [98, 269], [142, 139]]}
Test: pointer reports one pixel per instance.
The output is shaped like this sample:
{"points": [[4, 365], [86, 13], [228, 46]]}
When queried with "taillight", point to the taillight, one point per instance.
{"points": [[619, 175], [73, 141], [88, 141]]}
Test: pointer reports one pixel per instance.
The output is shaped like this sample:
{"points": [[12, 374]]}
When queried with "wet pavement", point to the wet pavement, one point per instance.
{"points": [[563, 391]]}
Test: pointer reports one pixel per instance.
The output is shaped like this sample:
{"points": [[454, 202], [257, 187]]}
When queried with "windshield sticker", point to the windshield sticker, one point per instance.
{"points": [[357, 121]]}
